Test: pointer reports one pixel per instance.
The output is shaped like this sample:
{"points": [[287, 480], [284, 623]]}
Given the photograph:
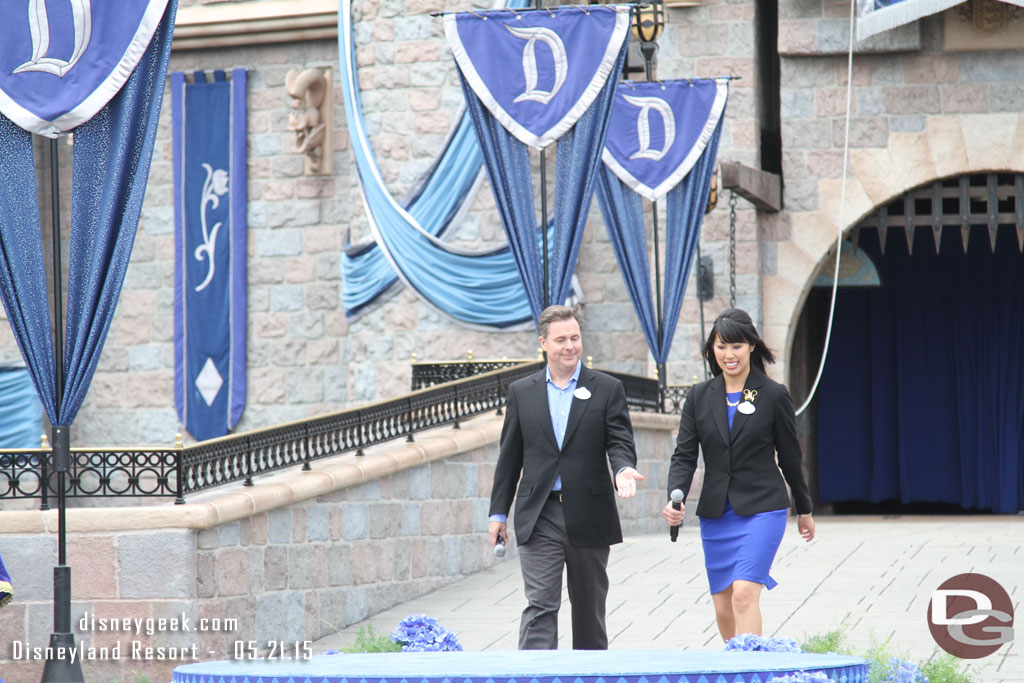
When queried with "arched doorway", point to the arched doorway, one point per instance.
{"points": [[921, 405]]}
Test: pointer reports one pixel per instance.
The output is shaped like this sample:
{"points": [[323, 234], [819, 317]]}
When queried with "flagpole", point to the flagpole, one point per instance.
{"points": [[61, 666], [648, 20], [539, 4]]}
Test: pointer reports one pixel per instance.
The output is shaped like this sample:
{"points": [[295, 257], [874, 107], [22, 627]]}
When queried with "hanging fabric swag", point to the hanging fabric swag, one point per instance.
{"points": [[209, 138], [116, 88], [531, 79], [662, 141]]}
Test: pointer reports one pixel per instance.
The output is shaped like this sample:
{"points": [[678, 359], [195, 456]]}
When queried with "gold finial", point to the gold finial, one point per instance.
{"points": [[504, 357], [540, 353], [177, 441], [656, 376], [695, 379], [45, 441], [415, 358], [590, 362], [469, 356]]}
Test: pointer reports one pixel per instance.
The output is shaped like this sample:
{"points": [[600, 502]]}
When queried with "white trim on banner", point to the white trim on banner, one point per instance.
{"points": [[686, 165], [465, 64]]}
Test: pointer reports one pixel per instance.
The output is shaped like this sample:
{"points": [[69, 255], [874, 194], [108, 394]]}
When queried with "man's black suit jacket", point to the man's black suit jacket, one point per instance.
{"points": [[598, 431], [740, 463]]}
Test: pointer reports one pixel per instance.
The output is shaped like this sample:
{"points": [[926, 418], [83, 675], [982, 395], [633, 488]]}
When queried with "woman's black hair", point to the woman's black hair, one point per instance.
{"points": [[734, 325]]}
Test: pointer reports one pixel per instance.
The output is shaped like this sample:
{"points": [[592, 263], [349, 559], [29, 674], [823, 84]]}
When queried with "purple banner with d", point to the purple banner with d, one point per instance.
{"points": [[659, 130], [209, 131], [62, 62], [537, 72]]}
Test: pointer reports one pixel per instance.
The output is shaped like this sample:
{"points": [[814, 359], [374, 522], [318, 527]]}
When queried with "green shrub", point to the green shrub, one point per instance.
{"points": [[368, 640], [946, 668]]}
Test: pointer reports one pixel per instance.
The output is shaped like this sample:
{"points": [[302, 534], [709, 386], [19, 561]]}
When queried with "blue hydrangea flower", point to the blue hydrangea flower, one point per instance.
{"points": [[329, 652], [802, 677], [420, 633], [748, 642], [901, 671]]}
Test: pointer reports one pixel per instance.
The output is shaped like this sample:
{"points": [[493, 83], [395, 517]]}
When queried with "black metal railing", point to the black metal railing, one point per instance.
{"points": [[432, 373], [179, 471], [182, 470]]}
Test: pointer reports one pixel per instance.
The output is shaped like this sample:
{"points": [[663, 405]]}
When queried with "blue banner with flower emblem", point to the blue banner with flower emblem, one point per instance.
{"points": [[658, 131], [538, 72], [209, 137], [62, 62]]}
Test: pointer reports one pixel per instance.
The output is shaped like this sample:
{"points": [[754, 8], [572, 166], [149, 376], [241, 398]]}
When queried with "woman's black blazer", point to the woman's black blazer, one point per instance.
{"points": [[740, 464]]}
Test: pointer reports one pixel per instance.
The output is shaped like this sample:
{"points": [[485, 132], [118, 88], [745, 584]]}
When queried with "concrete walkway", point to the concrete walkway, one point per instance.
{"points": [[873, 574]]}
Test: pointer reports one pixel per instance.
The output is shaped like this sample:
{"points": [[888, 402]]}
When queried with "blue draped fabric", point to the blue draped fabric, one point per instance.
{"points": [[209, 133], [478, 288], [21, 414], [921, 399], [578, 162], [367, 271], [623, 214], [112, 153]]}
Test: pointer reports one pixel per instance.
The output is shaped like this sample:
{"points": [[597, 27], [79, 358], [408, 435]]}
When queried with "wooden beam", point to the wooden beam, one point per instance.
{"points": [[761, 188]]}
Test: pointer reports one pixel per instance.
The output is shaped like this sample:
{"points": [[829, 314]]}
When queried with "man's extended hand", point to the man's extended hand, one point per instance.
{"points": [[625, 482], [494, 528]]}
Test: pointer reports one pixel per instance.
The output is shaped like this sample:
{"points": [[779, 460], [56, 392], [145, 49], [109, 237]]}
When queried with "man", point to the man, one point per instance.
{"points": [[562, 427]]}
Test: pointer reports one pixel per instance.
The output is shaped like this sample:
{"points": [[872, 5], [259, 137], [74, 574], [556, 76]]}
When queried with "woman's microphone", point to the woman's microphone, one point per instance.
{"points": [[677, 504]]}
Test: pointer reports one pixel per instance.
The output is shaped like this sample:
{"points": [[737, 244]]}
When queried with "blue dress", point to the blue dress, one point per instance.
{"points": [[737, 547]]}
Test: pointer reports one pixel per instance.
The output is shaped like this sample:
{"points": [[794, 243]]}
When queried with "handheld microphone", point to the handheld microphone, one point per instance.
{"points": [[677, 504], [499, 547]]}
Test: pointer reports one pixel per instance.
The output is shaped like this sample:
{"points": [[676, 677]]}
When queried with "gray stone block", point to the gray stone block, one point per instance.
{"points": [[797, 103], [355, 605], [306, 325], [170, 555], [411, 513], [452, 548], [230, 534], [149, 357], [834, 38], [304, 385], [907, 124], [281, 616], [333, 609], [481, 521], [335, 382], [300, 566], [385, 520], [279, 526], [30, 561], [992, 67], [339, 564], [209, 539], [257, 567], [318, 523], [808, 72], [472, 553], [1007, 97], [278, 242], [364, 382], [275, 567], [868, 101], [354, 521]]}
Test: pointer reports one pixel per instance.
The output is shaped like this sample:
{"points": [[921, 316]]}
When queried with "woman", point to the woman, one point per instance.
{"points": [[739, 419]]}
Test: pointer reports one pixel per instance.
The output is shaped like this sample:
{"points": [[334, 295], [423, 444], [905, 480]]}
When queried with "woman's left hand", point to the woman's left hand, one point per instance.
{"points": [[805, 523]]}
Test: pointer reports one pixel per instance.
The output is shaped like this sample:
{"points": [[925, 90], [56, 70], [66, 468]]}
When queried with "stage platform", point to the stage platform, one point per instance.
{"points": [[559, 666]]}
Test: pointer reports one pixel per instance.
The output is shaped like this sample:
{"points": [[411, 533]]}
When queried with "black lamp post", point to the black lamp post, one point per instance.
{"points": [[648, 21], [61, 667]]}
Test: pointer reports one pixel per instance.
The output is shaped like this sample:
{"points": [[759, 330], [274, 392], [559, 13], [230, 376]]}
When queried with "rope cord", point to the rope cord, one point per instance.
{"points": [[842, 212], [732, 249]]}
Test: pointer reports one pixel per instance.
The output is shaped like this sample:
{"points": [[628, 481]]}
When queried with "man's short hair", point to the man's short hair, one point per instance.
{"points": [[555, 313]]}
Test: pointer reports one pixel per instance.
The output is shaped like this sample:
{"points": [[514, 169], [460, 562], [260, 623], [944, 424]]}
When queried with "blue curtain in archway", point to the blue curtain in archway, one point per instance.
{"points": [[922, 399]]}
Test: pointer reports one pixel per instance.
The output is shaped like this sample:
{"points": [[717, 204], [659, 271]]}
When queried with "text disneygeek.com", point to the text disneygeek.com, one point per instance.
{"points": [[143, 651]]}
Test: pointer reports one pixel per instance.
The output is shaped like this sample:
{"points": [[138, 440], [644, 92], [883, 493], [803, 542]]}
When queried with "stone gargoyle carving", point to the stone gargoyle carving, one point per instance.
{"points": [[312, 93]]}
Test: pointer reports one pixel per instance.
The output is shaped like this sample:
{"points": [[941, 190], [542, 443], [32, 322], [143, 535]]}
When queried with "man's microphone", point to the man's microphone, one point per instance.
{"points": [[677, 504], [499, 547]]}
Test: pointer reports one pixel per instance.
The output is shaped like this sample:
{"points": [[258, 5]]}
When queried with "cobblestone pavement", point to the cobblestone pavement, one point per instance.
{"points": [[872, 575]]}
